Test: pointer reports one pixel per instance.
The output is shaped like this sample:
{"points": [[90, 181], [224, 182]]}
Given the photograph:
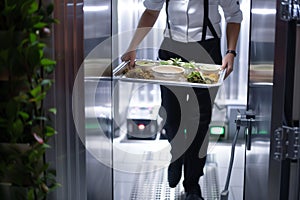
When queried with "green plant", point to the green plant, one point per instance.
{"points": [[25, 79]]}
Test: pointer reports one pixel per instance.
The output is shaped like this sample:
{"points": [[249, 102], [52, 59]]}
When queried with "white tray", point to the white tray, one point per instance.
{"points": [[178, 81]]}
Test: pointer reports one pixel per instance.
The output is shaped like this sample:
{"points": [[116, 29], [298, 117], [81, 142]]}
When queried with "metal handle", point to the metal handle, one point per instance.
{"points": [[247, 120], [249, 135], [120, 67]]}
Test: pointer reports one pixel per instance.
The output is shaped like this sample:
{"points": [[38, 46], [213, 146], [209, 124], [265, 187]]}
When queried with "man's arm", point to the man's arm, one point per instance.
{"points": [[232, 34], [145, 24]]}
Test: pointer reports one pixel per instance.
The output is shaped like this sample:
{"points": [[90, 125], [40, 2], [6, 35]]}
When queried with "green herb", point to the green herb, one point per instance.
{"points": [[189, 65], [166, 62], [176, 61], [195, 77]]}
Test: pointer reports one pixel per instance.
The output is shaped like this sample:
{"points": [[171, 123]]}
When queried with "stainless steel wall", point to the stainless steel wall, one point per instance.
{"points": [[98, 92], [261, 58], [284, 174], [67, 154]]}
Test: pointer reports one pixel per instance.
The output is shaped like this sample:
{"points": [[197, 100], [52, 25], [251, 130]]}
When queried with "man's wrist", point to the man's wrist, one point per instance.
{"points": [[232, 52]]}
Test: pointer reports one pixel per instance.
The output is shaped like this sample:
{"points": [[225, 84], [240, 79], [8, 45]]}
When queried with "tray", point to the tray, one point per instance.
{"points": [[178, 80]]}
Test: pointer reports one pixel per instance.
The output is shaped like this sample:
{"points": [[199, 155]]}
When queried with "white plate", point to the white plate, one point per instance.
{"points": [[166, 70], [209, 68], [146, 63]]}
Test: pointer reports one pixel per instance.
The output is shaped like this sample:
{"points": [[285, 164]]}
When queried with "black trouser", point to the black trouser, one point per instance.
{"points": [[187, 111]]}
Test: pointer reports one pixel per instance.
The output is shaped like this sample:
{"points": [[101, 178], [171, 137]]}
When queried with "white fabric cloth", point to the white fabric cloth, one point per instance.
{"points": [[186, 16]]}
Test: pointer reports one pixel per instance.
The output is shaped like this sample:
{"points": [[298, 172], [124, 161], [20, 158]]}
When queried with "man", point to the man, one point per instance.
{"points": [[192, 26]]}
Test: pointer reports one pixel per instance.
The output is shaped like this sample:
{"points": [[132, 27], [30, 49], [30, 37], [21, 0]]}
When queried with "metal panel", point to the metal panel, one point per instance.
{"points": [[98, 98], [294, 192], [296, 106], [256, 160], [283, 173], [260, 86], [68, 152]]}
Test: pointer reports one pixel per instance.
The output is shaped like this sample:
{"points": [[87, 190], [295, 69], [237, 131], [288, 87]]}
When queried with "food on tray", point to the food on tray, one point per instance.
{"points": [[145, 63], [209, 68], [211, 78], [195, 77], [139, 73], [198, 77], [175, 70], [172, 61], [166, 62], [168, 70], [178, 62], [189, 65]]}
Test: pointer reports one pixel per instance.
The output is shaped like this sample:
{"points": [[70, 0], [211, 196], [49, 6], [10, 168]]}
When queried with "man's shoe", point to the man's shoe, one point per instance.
{"points": [[191, 196], [194, 193], [174, 172]]}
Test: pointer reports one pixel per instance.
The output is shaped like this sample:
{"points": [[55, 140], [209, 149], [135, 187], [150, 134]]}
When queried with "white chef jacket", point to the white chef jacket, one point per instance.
{"points": [[186, 17]]}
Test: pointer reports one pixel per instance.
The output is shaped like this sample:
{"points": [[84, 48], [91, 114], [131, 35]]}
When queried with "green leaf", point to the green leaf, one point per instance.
{"points": [[40, 97], [23, 97], [9, 8], [41, 118], [54, 186], [30, 194], [46, 82], [33, 8], [47, 146], [56, 21], [33, 56], [50, 131], [32, 37], [165, 62], [49, 69], [52, 110], [36, 91], [41, 45], [40, 25], [46, 61], [44, 167], [24, 115]]}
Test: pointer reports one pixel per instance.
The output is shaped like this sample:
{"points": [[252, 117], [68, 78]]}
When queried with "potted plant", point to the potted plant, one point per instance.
{"points": [[25, 79]]}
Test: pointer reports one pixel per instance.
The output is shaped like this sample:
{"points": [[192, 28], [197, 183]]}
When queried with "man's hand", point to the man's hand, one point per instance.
{"points": [[227, 64], [129, 56], [146, 23]]}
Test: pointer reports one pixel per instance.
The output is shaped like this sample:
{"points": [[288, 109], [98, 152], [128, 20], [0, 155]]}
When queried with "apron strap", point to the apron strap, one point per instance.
{"points": [[167, 15], [207, 23]]}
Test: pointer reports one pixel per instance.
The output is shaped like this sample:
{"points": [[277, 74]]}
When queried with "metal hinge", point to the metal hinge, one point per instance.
{"points": [[286, 143]]}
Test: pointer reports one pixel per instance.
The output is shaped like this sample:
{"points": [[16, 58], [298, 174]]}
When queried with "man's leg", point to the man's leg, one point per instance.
{"points": [[197, 127], [171, 114]]}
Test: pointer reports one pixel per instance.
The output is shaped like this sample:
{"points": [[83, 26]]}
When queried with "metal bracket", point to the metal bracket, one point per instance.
{"points": [[286, 143], [247, 120]]}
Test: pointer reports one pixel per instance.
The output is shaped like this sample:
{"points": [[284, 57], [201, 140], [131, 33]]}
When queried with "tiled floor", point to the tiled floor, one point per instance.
{"points": [[140, 171]]}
